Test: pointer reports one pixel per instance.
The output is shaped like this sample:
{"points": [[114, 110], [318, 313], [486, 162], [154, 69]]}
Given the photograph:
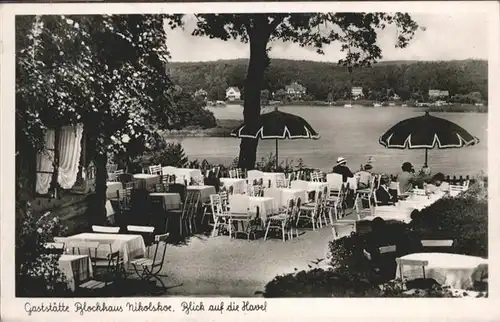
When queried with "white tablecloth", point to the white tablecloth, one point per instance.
{"points": [[308, 186], [266, 177], [239, 185], [281, 196], [454, 270], [129, 246], [170, 200], [245, 204], [75, 268], [205, 191], [112, 188], [183, 173]]}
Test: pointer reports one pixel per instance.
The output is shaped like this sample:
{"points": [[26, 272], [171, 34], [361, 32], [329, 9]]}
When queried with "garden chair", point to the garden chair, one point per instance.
{"points": [[294, 218], [324, 207], [128, 186], [282, 221], [316, 176], [219, 213], [455, 190], [281, 184], [155, 169], [111, 168], [411, 262], [383, 262], [105, 229], [159, 187], [311, 211], [334, 181], [145, 231], [359, 208], [149, 268], [186, 214], [336, 203], [193, 212], [105, 268]]}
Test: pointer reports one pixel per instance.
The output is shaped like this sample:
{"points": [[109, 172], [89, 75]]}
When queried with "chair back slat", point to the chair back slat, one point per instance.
{"points": [[111, 168], [155, 169], [162, 237], [437, 243], [411, 262], [387, 249], [140, 229], [105, 229]]}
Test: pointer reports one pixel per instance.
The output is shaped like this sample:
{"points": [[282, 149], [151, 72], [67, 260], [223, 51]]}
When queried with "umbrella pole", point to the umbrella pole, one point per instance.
{"points": [[276, 154], [425, 157]]}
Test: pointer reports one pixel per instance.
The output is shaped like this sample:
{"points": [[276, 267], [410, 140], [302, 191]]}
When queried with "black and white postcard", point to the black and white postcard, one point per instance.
{"points": [[264, 160]]}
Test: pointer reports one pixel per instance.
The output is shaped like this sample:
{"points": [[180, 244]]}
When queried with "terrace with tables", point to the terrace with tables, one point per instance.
{"points": [[179, 231]]}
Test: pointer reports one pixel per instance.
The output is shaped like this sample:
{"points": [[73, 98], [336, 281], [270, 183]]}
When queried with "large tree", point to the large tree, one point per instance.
{"points": [[356, 32], [105, 71]]}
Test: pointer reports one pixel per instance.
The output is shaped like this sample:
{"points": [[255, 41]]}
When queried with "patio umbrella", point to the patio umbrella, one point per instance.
{"points": [[426, 132], [277, 125]]}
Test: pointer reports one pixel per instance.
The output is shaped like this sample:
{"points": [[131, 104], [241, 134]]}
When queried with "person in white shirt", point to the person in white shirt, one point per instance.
{"points": [[364, 177]]}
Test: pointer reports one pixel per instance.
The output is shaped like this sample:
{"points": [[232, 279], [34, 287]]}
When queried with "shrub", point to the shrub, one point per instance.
{"points": [[37, 273], [164, 153], [464, 219], [319, 283]]}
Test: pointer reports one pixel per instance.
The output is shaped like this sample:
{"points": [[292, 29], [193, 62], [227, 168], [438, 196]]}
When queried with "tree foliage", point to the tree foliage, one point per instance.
{"points": [[330, 81], [105, 71], [356, 32]]}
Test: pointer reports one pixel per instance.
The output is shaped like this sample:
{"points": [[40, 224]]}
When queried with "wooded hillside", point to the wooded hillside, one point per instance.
{"points": [[321, 79]]}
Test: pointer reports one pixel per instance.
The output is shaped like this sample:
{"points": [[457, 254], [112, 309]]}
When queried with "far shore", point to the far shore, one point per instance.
{"points": [[452, 108], [224, 127]]}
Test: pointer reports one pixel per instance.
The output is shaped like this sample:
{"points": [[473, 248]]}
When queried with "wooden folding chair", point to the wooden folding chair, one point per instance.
{"points": [[155, 169], [411, 262], [219, 213], [311, 212], [148, 268], [105, 267], [105, 229], [281, 221]]}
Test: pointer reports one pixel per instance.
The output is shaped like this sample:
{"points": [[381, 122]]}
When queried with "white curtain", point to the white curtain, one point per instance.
{"points": [[69, 155], [44, 162]]}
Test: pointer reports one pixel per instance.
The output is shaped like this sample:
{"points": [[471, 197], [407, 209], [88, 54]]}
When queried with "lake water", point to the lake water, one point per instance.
{"points": [[353, 134]]}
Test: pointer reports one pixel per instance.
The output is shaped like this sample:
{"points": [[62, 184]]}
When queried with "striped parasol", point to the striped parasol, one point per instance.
{"points": [[277, 125], [427, 132]]}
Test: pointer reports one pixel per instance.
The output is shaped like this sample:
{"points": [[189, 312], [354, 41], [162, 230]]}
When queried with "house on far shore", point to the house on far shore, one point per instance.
{"points": [[233, 93], [295, 90], [357, 92], [437, 93]]}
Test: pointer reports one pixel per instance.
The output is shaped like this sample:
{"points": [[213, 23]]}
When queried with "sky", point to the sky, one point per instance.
{"points": [[446, 37]]}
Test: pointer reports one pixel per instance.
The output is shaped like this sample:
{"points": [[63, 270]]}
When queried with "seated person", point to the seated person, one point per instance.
{"points": [[364, 177], [406, 177], [384, 197], [341, 168], [437, 184]]}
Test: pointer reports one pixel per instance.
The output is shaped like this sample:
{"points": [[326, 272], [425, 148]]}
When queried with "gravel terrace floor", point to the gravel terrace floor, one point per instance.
{"points": [[220, 266]]}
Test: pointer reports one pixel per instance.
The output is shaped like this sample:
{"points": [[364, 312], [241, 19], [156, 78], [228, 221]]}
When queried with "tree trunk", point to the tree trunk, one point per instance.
{"points": [[100, 189], [259, 37]]}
